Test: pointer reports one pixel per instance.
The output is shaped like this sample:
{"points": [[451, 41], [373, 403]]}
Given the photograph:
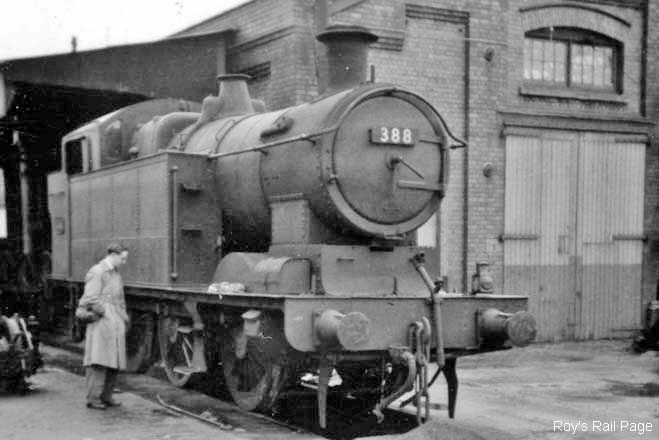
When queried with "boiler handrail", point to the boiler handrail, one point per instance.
{"points": [[273, 144]]}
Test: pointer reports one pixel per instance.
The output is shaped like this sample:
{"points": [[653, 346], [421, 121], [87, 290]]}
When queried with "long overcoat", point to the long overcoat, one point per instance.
{"points": [[105, 342]]}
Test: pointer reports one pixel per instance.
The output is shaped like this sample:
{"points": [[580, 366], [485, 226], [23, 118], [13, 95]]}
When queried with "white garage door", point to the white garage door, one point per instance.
{"points": [[573, 230]]}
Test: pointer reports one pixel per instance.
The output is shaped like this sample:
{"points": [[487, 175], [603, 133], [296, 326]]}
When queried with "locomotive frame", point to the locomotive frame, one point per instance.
{"points": [[264, 270]]}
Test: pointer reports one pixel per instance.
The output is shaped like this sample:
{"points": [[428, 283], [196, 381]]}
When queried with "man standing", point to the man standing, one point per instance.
{"points": [[105, 343]]}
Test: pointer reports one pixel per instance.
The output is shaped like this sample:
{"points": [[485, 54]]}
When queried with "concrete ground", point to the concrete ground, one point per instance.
{"points": [[523, 393], [518, 394], [56, 411]]}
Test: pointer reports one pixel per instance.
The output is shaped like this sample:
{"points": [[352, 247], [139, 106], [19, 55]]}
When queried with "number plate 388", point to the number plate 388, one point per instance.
{"points": [[392, 135]]}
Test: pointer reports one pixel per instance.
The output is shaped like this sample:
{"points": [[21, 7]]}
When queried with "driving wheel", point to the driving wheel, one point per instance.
{"points": [[253, 367], [176, 341]]}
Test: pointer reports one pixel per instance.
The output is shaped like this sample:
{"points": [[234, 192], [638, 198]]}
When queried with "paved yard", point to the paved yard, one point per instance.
{"points": [[542, 391], [56, 411], [561, 391]]}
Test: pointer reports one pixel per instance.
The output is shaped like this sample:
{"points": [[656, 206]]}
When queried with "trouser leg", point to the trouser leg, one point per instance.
{"points": [[95, 380], [108, 385]]}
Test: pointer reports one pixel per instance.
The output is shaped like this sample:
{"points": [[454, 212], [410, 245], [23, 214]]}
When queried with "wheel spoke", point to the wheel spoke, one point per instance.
{"points": [[175, 354], [186, 341], [185, 349]]}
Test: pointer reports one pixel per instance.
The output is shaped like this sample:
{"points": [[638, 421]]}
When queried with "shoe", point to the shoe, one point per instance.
{"points": [[96, 405], [111, 403]]}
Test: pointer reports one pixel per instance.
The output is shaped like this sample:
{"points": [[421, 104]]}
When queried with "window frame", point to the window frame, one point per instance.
{"points": [[572, 37], [78, 162]]}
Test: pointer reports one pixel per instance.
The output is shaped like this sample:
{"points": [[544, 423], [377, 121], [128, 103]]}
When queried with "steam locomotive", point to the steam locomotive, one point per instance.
{"points": [[270, 247]]}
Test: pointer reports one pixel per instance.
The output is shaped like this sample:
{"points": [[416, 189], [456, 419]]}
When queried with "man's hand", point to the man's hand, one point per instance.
{"points": [[99, 309]]}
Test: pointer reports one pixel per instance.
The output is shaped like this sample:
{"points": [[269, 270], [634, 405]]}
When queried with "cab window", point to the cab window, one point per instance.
{"points": [[76, 153], [112, 143]]}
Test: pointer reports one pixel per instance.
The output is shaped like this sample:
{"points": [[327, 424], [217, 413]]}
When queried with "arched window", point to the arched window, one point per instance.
{"points": [[574, 58]]}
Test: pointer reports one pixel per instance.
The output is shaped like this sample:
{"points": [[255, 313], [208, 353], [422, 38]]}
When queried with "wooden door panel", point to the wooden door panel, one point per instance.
{"points": [[610, 224], [539, 228]]}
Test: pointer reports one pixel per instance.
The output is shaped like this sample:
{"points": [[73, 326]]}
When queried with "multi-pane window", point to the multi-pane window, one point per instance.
{"points": [[571, 58], [544, 60], [592, 65]]}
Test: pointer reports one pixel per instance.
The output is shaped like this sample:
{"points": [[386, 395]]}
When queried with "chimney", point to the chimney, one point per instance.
{"points": [[347, 56], [233, 94]]}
